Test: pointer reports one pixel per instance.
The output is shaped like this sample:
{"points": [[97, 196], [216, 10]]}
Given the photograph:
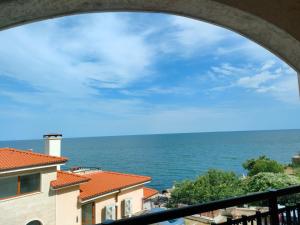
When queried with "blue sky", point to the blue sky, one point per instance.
{"points": [[134, 73]]}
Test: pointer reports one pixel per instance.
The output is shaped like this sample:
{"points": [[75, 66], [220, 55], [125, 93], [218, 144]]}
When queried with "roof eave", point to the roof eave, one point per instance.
{"points": [[146, 198], [34, 167], [68, 185], [94, 197]]}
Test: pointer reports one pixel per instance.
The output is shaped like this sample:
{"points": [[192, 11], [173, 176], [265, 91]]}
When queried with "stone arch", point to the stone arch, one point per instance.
{"points": [[251, 18]]}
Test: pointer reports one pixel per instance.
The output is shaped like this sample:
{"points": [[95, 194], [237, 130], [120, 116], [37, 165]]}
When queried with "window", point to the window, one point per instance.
{"points": [[35, 222], [29, 183], [127, 207], [110, 212], [18, 185], [8, 187], [88, 214]]}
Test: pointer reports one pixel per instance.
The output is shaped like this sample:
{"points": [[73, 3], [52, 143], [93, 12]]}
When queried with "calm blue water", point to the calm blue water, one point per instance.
{"points": [[173, 157]]}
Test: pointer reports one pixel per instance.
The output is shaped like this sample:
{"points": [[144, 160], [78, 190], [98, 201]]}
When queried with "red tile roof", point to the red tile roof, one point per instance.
{"points": [[103, 182], [149, 192], [11, 159], [65, 179]]}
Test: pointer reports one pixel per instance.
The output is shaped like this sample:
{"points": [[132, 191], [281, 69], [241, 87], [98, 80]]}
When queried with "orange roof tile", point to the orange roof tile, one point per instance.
{"points": [[103, 182], [11, 159], [149, 192], [65, 179]]}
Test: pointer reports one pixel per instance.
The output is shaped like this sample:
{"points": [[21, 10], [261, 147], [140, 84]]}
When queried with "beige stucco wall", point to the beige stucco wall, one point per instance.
{"points": [[100, 205], [147, 204], [136, 194], [37, 206], [68, 210]]}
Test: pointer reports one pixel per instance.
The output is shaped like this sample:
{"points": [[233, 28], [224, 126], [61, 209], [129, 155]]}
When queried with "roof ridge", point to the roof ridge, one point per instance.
{"points": [[73, 174], [32, 153], [66, 179], [20, 159], [111, 181], [127, 174], [149, 192]]}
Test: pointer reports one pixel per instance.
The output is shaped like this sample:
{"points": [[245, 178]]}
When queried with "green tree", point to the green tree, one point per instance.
{"points": [[265, 181], [262, 164], [213, 185]]}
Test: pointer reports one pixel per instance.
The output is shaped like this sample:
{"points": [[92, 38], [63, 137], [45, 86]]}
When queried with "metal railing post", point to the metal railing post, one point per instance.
{"points": [[229, 221], [258, 218], [298, 213], [288, 216], [273, 208], [294, 216], [245, 220]]}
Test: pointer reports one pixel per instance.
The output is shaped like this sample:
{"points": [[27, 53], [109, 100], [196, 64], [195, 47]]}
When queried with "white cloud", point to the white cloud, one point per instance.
{"points": [[195, 34], [188, 37], [73, 56], [268, 65], [228, 70], [157, 90], [285, 89], [243, 47], [272, 78], [256, 81], [97, 50]]}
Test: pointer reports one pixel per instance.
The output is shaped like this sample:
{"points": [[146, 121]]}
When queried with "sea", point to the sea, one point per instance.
{"points": [[170, 158]]}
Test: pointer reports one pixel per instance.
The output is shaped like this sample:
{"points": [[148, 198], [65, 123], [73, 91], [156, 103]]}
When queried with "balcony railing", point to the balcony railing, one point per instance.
{"points": [[288, 215]]}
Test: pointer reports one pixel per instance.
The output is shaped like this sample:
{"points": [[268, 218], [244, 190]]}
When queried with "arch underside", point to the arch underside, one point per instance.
{"points": [[266, 34]]}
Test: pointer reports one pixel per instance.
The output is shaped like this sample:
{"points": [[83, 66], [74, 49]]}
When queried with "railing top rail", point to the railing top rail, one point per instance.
{"points": [[288, 191], [205, 207]]}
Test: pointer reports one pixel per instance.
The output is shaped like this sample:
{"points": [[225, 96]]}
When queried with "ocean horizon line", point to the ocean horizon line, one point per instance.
{"points": [[153, 134]]}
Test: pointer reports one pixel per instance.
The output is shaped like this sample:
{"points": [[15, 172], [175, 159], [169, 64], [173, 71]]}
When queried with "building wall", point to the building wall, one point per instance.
{"points": [[68, 210], [100, 205], [147, 204], [36, 206], [136, 194]]}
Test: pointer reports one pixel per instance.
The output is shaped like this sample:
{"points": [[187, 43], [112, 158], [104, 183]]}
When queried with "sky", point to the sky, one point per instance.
{"points": [[136, 73]]}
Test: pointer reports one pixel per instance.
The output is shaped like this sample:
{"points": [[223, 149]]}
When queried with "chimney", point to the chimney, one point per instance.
{"points": [[53, 144]]}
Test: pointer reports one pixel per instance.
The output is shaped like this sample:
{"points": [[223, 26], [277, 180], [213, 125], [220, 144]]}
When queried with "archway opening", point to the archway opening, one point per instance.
{"points": [[253, 81], [34, 222]]}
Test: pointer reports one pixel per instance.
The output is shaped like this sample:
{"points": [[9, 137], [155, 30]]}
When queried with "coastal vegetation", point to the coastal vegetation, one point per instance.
{"points": [[265, 181], [262, 164], [263, 174], [213, 185]]}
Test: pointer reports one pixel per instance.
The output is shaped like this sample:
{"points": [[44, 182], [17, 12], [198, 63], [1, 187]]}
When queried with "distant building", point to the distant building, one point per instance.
{"points": [[296, 159], [33, 191], [149, 195]]}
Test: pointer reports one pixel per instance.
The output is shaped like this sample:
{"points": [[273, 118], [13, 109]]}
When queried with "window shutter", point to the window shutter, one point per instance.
{"points": [[110, 212], [127, 207]]}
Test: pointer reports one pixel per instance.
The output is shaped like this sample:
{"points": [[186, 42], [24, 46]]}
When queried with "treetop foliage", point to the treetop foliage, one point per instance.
{"points": [[265, 181], [213, 185], [262, 164], [263, 174]]}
